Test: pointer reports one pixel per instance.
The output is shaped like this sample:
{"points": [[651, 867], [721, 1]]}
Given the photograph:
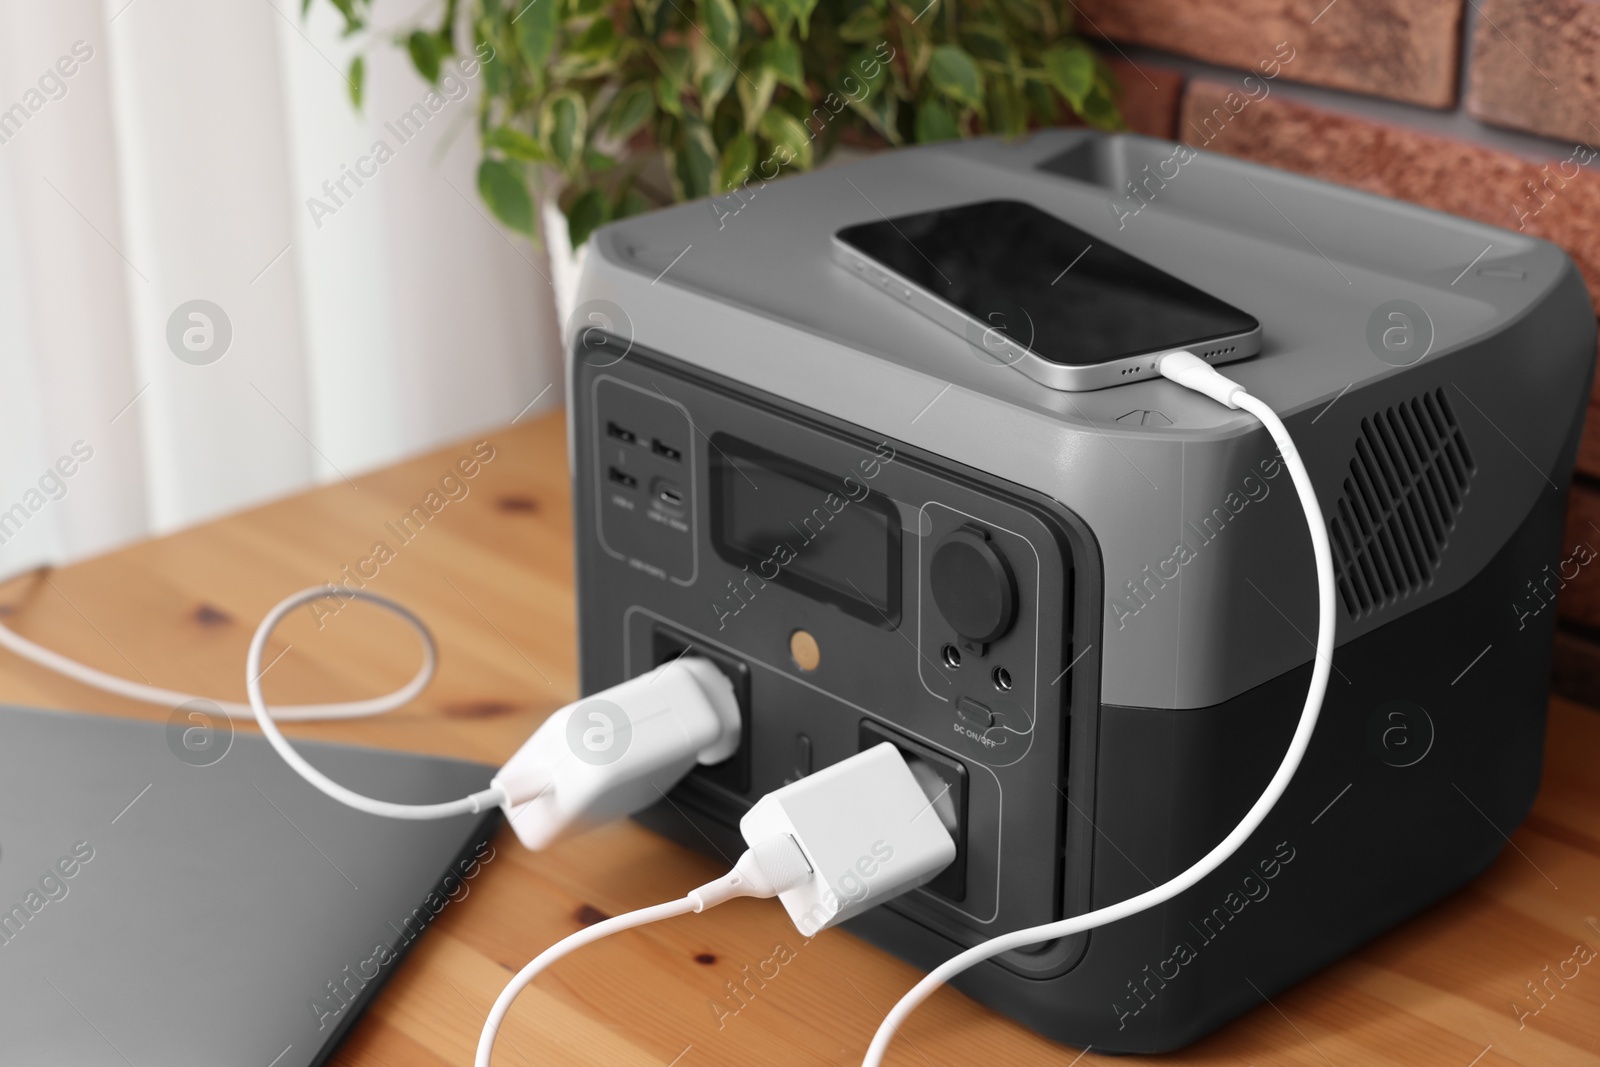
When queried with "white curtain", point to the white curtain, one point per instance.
{"points": [[159, 153]]}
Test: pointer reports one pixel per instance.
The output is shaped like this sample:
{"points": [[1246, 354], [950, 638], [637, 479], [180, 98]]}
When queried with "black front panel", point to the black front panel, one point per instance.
{"points": [[856, 590]]}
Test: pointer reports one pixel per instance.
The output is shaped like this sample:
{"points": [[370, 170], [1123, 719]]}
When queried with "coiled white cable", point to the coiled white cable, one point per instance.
{"points": [[171, 698], [257, 706], [1190, 371], [479, 801]]}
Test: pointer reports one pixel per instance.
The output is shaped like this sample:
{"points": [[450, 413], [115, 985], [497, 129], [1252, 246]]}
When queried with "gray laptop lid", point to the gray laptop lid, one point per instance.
{"points": [[174, 895]]}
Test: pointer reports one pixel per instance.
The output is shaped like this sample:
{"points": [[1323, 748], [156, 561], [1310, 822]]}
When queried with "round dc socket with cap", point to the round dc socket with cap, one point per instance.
{"points": [[973, 586]]}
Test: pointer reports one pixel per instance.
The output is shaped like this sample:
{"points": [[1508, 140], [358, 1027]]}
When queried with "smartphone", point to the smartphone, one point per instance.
{"points": [[1033, 292]]}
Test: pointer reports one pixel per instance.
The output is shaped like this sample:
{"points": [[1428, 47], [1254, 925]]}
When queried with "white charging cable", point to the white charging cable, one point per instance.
{"points": [[661, 723], [1190, 371], [768, 868], [822, 865], [600, 758], [171, 698], [479, 801]]}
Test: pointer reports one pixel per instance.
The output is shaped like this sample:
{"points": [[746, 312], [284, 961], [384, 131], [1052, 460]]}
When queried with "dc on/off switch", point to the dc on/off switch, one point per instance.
{"points": [[973, 587]]}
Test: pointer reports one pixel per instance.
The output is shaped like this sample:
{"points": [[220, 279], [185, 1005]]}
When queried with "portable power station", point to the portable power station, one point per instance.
{"points": [[1087, 617]]}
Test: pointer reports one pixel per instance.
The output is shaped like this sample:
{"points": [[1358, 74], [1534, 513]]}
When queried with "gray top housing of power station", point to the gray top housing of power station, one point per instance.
{"points": [[1198, 608]]}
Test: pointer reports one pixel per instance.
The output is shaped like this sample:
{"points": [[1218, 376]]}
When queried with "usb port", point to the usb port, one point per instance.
{"points": [[661, 448], [624, 479], [621, 433], [670, 495]]}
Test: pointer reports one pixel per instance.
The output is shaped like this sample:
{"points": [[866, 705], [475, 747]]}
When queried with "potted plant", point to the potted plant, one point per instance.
{"points": [[579, 97]]}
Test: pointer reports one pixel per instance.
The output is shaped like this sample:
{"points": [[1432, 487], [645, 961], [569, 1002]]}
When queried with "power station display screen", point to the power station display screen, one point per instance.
{"points": [[830, 537], [1067, 295]]}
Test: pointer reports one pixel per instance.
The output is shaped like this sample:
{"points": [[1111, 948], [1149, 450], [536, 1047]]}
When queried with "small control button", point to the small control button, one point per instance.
{"points": [[974, 713], [972, 586]]}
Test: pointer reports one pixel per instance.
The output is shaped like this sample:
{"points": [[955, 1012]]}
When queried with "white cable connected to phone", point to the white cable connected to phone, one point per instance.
{"points": [[1190, 371]]}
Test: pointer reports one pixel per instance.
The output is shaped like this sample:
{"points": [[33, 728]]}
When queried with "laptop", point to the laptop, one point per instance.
{"points": [[174, 894]]}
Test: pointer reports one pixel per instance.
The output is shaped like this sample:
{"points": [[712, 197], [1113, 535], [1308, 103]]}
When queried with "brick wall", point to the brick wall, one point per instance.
{"points": [[1484, 108]]}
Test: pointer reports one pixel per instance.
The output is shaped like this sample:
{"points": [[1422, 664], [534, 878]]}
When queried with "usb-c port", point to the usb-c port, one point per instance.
{"points": [[621, 433], [624, 479], [661, 448], [670, 495]]}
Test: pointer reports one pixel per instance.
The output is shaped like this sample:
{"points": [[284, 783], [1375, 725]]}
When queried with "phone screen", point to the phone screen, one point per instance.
{"points": [[1068, 296]]}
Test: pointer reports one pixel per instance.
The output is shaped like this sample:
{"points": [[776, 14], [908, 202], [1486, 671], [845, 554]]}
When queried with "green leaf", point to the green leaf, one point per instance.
{"points": [[1100, 111], [863, 26], [563, 124], [802, 15], [353, 22], [782, 58], [738, 159], [872, 98], [1008, 113], [714, 76], [427, 51], [629, 203], [675, 63], [784, 14], [697, 158], [630, 109], [447, 27], [935, 123], [1027, 14], [515, 144], [647, 14], [783, 129], [722, 24], [595, 161], [600, 39], [755, 95], [668, 97], [495, 74], [585, 8], [1042, 103], [587, 214], [954, 74], [991, 43], [358, 80], [505, 190], [536, 28], [1070, 69]]}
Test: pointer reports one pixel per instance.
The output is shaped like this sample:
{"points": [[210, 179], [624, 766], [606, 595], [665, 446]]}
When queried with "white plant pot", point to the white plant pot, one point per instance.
{"points": [[565, 264]]}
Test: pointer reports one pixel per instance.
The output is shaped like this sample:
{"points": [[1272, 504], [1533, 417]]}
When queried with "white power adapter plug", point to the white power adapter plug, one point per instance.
{"points": [[618, 751], [828, 846], [867, 829]]}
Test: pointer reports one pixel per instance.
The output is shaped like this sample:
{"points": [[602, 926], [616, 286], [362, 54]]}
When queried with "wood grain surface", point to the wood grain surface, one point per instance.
{"points": [[492, 574]]}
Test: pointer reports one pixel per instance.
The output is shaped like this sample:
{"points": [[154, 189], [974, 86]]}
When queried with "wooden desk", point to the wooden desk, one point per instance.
{"points": [[492, 574]]}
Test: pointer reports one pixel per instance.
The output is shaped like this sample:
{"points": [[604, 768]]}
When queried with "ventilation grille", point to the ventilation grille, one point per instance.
{"points": [[1407, 482]]}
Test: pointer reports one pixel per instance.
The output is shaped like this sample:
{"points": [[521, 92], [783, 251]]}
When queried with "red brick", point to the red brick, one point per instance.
{"points": [[1437, 172], [1534, 66], [1403, 49], [1575, 669], [1589, 446], [1149, 95], [1579, 601]]}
